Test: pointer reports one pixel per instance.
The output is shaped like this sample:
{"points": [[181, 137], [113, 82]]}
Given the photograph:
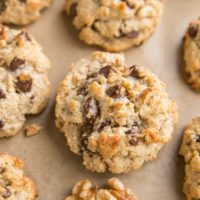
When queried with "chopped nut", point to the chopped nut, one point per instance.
{"points": [[32, 129]]}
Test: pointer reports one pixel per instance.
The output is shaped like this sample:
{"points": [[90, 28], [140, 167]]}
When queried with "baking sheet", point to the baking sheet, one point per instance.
{"points": [[51, 165]]}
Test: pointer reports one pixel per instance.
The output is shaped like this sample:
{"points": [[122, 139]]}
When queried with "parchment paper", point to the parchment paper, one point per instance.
{"points": [[47, 160]]}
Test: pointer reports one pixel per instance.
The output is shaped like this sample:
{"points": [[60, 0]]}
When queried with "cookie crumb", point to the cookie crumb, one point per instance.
{"points": [[32, 129]]}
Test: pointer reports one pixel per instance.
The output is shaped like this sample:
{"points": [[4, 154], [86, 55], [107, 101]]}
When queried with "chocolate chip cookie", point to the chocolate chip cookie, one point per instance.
{"points": [[21, 12], [115, 116], [13, 184], [192, 54], [190, 149], [115, 25], [83, 190], [24, 84]]}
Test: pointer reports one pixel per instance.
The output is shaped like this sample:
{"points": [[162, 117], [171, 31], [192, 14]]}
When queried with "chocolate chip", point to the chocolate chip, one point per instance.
{"points": [[91, 109], [132, 34], [94, 75], [24, 83], [73, 9], [114, 91], [16, 63], [135, 72], [82, 91], [198, 138], [193, 30], [2, 94], [1, 124], [106, 70], [7, 194], [2, 6]]}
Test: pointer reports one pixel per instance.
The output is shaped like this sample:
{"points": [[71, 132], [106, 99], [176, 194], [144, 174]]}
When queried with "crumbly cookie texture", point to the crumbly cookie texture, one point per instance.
{"points": [[24, 84], [32, 129], [115, 25], [190, 149], [83, 190], [21, 12], [115, 116], [192, 54], [13, 184]]}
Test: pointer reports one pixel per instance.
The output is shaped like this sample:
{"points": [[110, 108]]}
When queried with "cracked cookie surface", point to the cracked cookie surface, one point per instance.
{"points": [[190, 149], [83, 190], [21, 12], [24, 84], [115, 116], [115, 25], [13, 184], [192, 54]]}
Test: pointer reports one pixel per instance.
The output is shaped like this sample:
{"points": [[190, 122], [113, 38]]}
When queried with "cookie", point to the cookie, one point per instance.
{"points": [[190, 149], [192, 54], [21, 12], [115, 116], [13, 184], [24, 84], [83, 190], [115, 25]]}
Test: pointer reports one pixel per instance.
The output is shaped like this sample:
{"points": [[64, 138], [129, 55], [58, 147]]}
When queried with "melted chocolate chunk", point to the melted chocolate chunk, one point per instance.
{"points": [[198, 138], [82, 91], [94, 75], [24, 83], [132, 34], [1, 124], [135, 72], [86, 131], [73, 9], [104, 124], [106, 70], [7, 193], [91, 109], [132, 135], [2, 6], [2, 170], [2, 94], [133, 131], [127, 3], [16, 63], [114, 91], [133, 141], [193, 30], [23, 1], [26, 35]]}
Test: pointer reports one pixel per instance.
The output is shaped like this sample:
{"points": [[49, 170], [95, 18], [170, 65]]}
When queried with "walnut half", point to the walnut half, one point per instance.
{"points": [[83, 190]]}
